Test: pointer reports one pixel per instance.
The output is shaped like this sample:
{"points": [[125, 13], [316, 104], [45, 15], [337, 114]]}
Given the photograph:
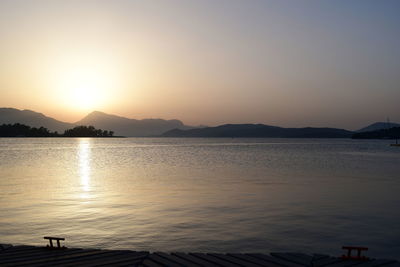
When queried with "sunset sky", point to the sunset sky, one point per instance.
{"points": [[286, 63]]}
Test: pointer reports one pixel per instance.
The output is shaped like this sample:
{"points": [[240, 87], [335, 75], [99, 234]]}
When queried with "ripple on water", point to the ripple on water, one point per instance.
{"points": [[223, 195]]}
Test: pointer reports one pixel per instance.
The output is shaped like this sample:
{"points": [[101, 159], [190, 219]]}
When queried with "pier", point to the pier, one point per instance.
{"points": [[61, 256]]}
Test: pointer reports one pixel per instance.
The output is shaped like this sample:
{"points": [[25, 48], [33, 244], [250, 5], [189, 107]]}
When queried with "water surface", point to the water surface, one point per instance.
{"points": [[224, 195]]}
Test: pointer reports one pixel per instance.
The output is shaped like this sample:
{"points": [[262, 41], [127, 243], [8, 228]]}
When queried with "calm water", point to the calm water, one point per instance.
{"points": [[225, 195]]}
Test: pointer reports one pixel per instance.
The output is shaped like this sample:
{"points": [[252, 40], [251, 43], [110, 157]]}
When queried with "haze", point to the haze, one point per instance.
{"points": [[286, 63]]}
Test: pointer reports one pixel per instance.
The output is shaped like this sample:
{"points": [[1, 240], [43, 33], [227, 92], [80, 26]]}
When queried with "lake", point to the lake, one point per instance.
{"points": [[220, 195]]}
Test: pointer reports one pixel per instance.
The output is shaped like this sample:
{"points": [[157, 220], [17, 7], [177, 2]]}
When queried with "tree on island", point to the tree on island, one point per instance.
{"points": [[21, 130], [87, 131]]}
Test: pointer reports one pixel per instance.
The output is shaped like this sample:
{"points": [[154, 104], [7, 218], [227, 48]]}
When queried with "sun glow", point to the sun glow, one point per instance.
{"points": [[85, 88], [84, 82]]}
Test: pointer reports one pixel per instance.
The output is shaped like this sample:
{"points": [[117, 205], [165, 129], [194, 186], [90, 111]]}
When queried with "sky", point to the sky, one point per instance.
{"points": [[207, 62]]}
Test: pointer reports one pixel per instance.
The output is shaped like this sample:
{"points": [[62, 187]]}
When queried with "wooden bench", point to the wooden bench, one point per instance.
{"points": [[50, 238], [350, 257]]}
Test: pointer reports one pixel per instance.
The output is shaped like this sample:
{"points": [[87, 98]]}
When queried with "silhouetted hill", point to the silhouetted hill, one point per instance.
{"points": [[31, 118], [119, 125], [259, 130], [130, 127], [392, 133], [378, 126]]}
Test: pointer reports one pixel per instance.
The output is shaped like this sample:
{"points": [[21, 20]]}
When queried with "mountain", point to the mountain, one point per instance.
{"points": [[119, 125], [259, 130], [378, 126], [392, 133], [130, 127], [31, 118]]}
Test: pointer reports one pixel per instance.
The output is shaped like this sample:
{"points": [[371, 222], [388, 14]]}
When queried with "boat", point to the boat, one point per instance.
{"points": [[397, 144]]}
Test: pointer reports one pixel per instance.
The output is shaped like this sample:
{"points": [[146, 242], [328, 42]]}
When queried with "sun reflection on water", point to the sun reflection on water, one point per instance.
{"points": [[84, 166]]}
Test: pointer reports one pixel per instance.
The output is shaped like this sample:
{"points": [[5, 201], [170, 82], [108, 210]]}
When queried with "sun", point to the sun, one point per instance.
{"points": [[84, 96], [85, 88], [86, 91], [83, 80]]}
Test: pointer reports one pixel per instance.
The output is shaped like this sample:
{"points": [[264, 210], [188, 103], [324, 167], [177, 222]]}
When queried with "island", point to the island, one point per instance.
{"points": [[22, 130]]}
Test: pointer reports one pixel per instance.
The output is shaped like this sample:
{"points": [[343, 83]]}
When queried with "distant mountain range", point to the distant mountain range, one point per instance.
{"points": [[175, 128], [388, 133], [120, 125], [378, 126], [33, 119], [260, 130], [131, 127]]}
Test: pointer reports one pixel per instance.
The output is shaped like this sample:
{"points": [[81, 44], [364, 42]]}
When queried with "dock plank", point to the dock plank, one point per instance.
{"points": [[254, 260], [375, 263], [163, 261], [5, 246], [36, 255], [194, 259], [234, 260], [20, 250], [275, 260], [75, 257], [108, 260], [59, 258], [128, 260], [317, 257], [150, 263], [19, 247], [346, 263], [5, 257], [176, 259], [131, 262], [326, 261], [96, 257], [297, 258], [212, 259], [394, 264]]}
